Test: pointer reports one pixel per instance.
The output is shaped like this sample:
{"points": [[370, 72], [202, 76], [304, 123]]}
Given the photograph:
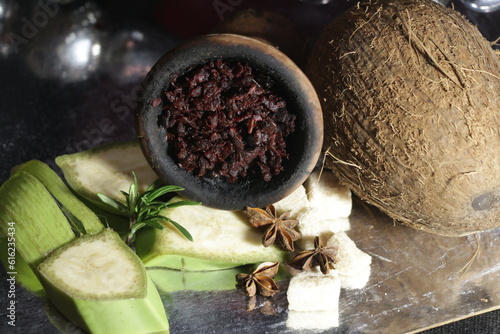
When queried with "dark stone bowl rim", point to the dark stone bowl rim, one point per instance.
{"points": [[304, 146]]}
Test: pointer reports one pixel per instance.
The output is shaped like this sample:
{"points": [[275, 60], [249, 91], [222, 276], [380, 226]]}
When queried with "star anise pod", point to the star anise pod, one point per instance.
{"points": [[260, 280], [321, 256], [280, 229]]}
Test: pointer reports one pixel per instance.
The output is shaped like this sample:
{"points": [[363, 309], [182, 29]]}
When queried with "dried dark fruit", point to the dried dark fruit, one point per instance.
{"points": [[224, 119]]}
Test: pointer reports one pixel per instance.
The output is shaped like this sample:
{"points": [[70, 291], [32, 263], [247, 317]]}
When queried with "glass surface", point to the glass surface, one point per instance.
{"points": [[417, 281]]}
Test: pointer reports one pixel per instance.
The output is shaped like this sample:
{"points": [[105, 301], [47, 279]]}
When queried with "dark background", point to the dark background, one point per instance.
{"points": [[68, 83]]}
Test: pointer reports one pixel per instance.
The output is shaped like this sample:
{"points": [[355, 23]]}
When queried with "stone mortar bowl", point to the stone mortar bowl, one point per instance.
{"points": [[303, 145]]}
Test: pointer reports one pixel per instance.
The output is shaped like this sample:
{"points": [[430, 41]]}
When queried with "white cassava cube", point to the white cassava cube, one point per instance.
{"points": [[296, 203], [353, 264], [313, 223], [351, 259], [314, 291], [357, 280], [322, 320], [325, 192]]}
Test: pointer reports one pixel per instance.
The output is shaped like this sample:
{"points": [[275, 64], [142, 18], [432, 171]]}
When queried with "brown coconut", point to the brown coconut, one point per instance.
{"points": [[410, 92]]}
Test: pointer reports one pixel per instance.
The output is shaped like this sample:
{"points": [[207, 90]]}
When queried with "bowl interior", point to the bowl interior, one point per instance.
{"points": [[303, 145]]}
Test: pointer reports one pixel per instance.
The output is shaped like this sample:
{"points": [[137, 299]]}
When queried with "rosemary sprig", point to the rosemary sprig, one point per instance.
{"points": [[143, 210]]}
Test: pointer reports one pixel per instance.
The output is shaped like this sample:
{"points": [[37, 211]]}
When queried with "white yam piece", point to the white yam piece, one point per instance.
{"points": [[351, 260], [318, 320], [314, 291], [325, 192], [313, 223], [296, 203]]}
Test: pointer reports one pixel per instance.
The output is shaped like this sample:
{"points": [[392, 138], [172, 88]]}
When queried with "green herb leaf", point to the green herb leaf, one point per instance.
{"points": [[155, 185], [133, 230], [161, 191], [113, 203], [180, 228], [156, 223], [155, 205], [143, 209], [133, 195], [182, 203]]}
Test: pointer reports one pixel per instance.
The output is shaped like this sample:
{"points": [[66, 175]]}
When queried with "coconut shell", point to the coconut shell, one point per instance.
{"points": [[410, 92]]}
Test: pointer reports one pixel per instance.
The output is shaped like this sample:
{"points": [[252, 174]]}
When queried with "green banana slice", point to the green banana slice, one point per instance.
{"points": [[106, 169], [222, 239]]}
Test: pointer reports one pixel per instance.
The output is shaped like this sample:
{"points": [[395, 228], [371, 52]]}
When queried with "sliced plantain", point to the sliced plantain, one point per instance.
{"points": [[106, 169], [87, 272], [222, 239]]}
